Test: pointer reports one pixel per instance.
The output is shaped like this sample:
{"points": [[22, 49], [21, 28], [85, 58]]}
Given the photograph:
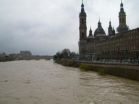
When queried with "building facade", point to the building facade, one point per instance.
{"points": [[123, 45]]}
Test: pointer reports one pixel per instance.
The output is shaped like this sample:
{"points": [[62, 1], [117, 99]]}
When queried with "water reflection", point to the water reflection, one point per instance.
{"points": [[44, 82]]}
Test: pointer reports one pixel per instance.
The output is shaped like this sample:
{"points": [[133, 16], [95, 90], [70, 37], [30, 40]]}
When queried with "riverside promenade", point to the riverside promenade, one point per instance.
{"points": [[122, 65], [130, 71]]}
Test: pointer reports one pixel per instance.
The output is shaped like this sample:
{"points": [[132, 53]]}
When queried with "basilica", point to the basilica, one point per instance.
{"points": [[119, 44]]}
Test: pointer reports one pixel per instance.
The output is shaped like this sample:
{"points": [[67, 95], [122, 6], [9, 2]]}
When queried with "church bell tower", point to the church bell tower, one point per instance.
{"points": [[82, 22], [82, 31], [122, 20]]}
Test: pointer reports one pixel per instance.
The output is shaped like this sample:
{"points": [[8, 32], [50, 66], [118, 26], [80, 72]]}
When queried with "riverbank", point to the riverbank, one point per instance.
{"points": [[125, 71], [68, 62]]}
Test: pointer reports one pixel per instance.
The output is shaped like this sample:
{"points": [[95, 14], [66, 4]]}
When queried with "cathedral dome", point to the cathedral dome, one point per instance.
{"points": [[99, 31]]}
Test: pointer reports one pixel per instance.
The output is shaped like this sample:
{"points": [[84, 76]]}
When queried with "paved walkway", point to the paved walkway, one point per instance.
{"points": [[128, 66]]}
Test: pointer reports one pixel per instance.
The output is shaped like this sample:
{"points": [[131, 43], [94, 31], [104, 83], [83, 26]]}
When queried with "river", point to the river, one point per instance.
{"points": [[45, 82]]}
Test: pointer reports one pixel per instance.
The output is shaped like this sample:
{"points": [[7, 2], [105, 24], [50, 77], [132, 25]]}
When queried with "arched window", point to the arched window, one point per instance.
{"points": [[120, 20], [82, 21], [123, 20], [82, 35]]}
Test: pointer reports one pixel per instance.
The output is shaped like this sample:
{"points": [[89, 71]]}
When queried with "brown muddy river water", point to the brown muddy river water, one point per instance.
{"points": [[45, 82]]}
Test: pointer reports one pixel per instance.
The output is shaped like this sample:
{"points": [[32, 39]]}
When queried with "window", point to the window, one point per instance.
{"points": [[82, 21], [123, 20], [82, 35]]}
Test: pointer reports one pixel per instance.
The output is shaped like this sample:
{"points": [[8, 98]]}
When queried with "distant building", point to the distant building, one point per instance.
{"points": [[123, 45], [2, 54], [25, 55]]}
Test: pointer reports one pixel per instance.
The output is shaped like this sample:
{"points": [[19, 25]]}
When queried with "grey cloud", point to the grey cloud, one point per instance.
{"points": [[48, 26]]}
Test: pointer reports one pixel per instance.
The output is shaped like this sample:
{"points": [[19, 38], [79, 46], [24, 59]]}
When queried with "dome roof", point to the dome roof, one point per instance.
{"points": [[99, 31]]}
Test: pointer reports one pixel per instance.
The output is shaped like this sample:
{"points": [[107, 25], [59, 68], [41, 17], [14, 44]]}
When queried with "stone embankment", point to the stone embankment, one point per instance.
{"points": [[120, 70]]}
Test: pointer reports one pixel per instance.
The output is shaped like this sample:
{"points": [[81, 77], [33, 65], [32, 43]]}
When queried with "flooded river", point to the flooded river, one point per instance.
{"points": [[45, 82]]}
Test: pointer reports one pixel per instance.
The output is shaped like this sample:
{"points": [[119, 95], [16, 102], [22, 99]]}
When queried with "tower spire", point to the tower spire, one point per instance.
{"points": [[82, 7], [121, 1], [122, 19], [99, 23], [110, 23], [110, 31], [122, 6], [90, 32], [82, 4]]}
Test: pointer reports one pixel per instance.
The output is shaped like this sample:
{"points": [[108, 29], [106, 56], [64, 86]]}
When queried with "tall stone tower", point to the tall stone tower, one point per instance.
{"points": [[122, 20], [83, 27], [82, 31]]}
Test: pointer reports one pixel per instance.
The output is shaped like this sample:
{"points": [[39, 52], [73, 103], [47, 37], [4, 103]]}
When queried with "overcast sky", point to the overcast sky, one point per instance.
{"points": [[48, 26]]}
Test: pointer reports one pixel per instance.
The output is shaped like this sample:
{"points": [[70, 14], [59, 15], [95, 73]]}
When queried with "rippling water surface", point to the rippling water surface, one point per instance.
{"points": [[44, 82]]}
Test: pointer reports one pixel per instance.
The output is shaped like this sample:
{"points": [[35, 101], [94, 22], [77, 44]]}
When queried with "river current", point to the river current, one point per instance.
{"points": [[45, 82]]}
